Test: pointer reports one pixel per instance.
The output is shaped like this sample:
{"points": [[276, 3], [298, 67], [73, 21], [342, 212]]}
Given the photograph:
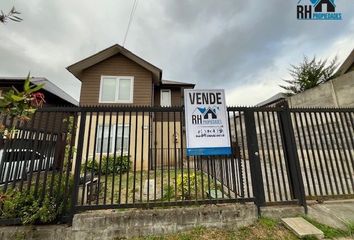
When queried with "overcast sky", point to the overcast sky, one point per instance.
{"points": [[245, 47]]}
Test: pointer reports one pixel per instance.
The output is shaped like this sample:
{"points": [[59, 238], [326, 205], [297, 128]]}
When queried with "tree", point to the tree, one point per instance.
{"points": [[309, 74], [12, 15]]}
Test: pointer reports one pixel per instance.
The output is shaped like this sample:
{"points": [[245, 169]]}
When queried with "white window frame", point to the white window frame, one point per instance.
{"points": [[116, 99], [113, 140], [165, 90]]}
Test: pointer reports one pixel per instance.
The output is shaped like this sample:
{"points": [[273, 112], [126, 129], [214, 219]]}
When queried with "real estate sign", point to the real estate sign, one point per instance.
{"points": [[207, 126]]}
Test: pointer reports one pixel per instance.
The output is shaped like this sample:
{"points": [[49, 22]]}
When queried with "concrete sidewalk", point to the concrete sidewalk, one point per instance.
{"points": [[337, 214]]}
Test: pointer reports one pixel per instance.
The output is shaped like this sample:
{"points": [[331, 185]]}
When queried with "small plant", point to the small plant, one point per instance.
{"points": [[184, 192], [19, 106], [109, 165], [30, 208], [168, 193]]}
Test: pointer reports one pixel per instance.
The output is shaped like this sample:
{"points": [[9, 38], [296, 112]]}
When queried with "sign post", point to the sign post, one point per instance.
{"points": [[206, 123]]}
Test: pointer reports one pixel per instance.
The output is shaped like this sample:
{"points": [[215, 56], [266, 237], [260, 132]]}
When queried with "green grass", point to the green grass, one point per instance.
{"points": [[330, 232], [162, 181], [263, 229]]}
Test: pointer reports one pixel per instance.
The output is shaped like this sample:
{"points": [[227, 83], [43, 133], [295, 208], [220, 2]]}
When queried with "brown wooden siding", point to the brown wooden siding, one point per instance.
{"points": [[117, 65], [176, 96], [176, 100]]}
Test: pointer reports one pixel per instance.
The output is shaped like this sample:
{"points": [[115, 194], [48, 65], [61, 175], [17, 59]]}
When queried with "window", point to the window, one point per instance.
{"points": [[114, 140], [165, 98], [116, 89]]}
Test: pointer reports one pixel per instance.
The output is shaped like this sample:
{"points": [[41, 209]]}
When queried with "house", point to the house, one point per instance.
{"points": [[116, 77], [331, 7], [273, 101], [54, 96]]}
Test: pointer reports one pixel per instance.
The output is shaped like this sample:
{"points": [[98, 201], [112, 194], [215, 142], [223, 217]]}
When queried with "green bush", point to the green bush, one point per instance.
{"points": [[108, 165], [184, 187], [30, 208]]}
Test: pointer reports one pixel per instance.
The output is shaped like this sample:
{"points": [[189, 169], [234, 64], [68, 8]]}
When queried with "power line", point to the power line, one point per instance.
{"points": [[130, 20]]}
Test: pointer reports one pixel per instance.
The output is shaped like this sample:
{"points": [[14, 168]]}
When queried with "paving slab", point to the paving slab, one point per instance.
{"points": [[302, 228]]}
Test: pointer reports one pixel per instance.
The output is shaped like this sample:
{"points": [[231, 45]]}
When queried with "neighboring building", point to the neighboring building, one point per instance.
{"points": [[54, 96], [116, 76], [273, 101]]}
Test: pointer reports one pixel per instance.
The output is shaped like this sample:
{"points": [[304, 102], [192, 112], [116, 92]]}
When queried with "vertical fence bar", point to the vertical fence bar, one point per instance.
{"points": [[333, 151], [69, 159], [276, 129], [255, 164], [80, 146], [114, 156], [263, 154], [328, 146], [86, 162], [129, 166], [292, 160]]}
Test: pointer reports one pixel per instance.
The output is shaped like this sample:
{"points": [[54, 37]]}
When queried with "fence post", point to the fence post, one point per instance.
{"points": [[253, 154], [78, 163], [291, 156]]}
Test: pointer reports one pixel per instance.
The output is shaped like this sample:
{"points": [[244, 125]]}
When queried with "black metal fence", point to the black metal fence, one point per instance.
{"points": [[325, 145], [135, 156], [119, 157], [37, 157]]}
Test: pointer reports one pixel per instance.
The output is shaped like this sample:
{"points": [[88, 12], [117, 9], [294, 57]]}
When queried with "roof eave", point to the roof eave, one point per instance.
{"points": [[79, 66]]}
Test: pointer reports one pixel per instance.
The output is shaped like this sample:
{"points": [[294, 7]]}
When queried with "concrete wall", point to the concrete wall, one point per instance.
{"points": [[336, 93], [133, 223]]}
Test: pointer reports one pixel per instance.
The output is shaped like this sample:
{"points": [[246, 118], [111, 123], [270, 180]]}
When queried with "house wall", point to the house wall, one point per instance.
{"points": [[176, 95], [139, 138], [335, 93], [117, 65], [167, 142]]}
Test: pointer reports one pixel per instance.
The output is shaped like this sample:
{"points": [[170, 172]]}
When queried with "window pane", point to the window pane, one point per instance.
{"points": [[125, 139], [105, 139], [165, 98], [124, 89], [108, 89]]}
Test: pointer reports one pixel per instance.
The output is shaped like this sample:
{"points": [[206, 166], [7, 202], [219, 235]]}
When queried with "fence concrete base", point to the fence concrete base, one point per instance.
{"points": [[278, 212], [108, 224], [133, 223]]}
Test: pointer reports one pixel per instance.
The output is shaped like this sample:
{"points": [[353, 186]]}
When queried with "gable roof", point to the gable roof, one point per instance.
{"points": [[79, 66], [348, 62], [48, 86]]}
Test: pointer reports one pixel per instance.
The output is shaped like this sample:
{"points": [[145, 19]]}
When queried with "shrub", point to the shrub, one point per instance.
{"points": [[185, 186], [30, 208], [109, 165]]}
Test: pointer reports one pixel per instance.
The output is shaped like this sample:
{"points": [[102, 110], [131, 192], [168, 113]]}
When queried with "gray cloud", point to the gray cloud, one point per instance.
{"points": [[225, 44]]}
